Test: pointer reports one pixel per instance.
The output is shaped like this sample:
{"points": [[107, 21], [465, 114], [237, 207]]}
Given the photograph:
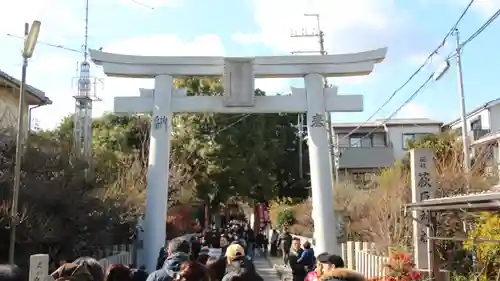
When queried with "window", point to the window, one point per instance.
{"points": [[366, 142], [476, 124], [355, 142], [408, 138], [362, 178], [379, 140], [373, 140]]}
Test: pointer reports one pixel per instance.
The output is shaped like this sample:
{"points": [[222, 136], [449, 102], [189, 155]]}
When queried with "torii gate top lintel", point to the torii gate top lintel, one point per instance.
{"points": [[354, 64]]}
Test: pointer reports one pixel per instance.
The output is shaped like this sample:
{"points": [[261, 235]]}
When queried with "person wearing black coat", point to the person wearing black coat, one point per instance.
{"points": [[285, 243], [298, 269]]}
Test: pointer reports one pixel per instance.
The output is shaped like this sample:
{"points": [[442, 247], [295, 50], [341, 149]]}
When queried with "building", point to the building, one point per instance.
{"points": [[483, 128], [481, 121], [9, 101], [376, 145]]}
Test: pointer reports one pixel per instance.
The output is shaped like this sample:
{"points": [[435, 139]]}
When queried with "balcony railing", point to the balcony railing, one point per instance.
{"points": [[479, 133], [365, 157]]}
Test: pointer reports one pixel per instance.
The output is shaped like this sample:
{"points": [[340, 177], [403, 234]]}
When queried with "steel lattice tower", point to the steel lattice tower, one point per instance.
{"points": [[84, 98]]}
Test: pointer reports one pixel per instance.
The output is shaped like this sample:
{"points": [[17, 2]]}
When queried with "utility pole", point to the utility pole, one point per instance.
{"points": [[300, 130], [316, 33], [463, 113]]}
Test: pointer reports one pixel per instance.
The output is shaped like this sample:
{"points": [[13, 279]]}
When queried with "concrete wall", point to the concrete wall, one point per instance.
{"points": [[8, 110], [396, 132]]}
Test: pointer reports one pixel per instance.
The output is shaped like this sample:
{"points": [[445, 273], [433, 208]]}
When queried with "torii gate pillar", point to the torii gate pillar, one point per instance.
{"points": [[325, 224], [164, 100], [158, 170]]}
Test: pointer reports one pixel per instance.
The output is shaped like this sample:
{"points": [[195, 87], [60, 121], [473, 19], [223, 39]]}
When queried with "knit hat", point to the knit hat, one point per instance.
{"points": [[233, 251]]}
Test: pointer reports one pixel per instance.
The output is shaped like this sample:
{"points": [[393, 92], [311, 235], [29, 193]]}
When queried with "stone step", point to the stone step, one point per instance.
{"points": [[265, 269]]}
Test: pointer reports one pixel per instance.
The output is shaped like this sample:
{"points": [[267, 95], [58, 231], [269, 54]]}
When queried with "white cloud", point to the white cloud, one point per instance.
{"points": [[154, 4], [415, 110], [247, 38], [487, 7], [349, 26], [484, 8], [62, 21]]}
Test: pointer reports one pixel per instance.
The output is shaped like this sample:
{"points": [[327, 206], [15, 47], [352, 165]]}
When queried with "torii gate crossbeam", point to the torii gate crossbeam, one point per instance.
{"points": [[165, 99]]}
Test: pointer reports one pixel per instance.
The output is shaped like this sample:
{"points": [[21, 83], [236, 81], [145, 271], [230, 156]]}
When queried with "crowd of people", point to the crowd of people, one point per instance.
{"points": [[305, 265], [195, 259], [192, 259]]}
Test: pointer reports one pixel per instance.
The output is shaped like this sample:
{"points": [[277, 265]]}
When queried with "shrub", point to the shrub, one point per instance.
{"points": [[286, 217], [399, 268], [487, 253]]}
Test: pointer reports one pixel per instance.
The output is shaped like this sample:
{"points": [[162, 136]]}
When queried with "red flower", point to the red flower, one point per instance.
{"points": [[414, 275]]}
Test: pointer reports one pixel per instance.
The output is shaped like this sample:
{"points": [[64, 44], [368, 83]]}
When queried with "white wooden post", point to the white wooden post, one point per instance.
{"points": [[343, 252], [357, 256], [350, 255], [423, 188], [159, 156], [365, 258]]}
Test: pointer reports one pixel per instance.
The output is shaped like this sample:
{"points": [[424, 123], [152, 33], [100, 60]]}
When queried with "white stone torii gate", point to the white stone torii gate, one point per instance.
{"points": [[239, 74]]}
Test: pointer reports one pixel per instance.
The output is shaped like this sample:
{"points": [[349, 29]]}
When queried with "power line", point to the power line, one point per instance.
{"points": [[468, 40], [408, 100], [142, 4], [475, 34], [48, 44], [427, 60], [481, 29], [231, 125]]}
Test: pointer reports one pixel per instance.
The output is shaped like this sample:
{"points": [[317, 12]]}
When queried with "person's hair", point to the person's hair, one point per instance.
{"points": [[306, 245], [211, 260], [202, 258], [178, 245], [94, 267], [118, 272], [139, 275], [193, 271], [244, 270], [216, 267], [296, 239], [9, 272]]}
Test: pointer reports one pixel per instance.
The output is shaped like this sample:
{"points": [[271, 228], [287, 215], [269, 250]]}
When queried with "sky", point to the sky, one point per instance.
{"points": [[410, 29]]}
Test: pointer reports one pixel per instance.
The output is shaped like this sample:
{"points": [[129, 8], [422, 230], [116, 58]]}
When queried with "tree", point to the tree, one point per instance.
{"points": [[250, 156], [64, 214]]}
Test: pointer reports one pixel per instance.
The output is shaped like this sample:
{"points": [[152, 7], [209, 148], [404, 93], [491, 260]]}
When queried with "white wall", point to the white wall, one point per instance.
{"points": [[485, 120], [395, 135], [9, 109], [494, 118]]}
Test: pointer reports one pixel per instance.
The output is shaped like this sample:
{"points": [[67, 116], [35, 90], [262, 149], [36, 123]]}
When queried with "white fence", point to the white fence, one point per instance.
{"points": [[360, 256], [118, 254], [124, 258]]}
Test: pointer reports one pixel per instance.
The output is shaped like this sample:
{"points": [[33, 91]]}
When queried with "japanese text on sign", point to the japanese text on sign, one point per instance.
{"points": [[160, 121], [423, 188], [39, 267], [318, 121]]}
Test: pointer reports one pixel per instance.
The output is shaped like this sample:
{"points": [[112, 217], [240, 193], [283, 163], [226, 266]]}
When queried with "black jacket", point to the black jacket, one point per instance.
{"points": [[285, 241], [298, 269]]}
